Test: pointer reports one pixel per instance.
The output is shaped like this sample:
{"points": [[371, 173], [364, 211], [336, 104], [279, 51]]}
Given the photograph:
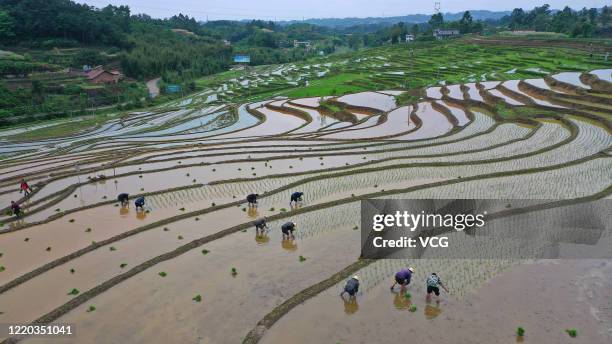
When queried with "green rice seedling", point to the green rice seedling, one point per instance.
{"points": [[234, 272], [1, 254], [93, 243], [243, 231], [71, 220], [72, 271], [140, 176], [141, 189], [166, 229], [91, 309], [88, 230], [197, 298], [205, 251], [104, 197], [112, 248], [197, 219], [355, 228], [322, 164], [57, 210], [163, 274], [572, 332], [74, 291], [213, 204], [49, 249], [75, 196], [301, 158], [147, 211], [187, 174], [214, 169], [283, 210], [239, 169], [182, 209], [320, 158], [180, 237], [243, 209], [272, 209], [194, 180], [254, 174], [122, 265], [520, 331], [407, 295], [2, 268], [412, 308], [26, 239], [302, 258]]}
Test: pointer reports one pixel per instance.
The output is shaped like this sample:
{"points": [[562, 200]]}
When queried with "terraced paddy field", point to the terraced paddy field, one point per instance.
{"points": [[191, 264]]}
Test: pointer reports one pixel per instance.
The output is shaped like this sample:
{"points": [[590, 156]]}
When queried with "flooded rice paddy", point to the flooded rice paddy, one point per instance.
{"points": [[196, 164]]}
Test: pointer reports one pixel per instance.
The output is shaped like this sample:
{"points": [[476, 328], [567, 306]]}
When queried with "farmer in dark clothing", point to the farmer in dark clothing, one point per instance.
{"points": [[433, 284], [252, 199], [123, 199], [288, 229], [140, 202], [403, 277], [351, 287], [16, 208], [296, 196], [261, 224], [24, 187]]}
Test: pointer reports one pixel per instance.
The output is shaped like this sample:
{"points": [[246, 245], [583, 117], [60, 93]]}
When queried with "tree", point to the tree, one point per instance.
{"points": [[517, 19], [604, 17], [7, 26], [465, 24], [415, 30], [436, 21], [353, 41]]}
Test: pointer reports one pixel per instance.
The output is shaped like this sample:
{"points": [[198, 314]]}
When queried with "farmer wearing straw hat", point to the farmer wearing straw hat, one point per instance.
{"points": [[123, 199], [16, 208], [296, 197], [351, 287], [403, 277]]}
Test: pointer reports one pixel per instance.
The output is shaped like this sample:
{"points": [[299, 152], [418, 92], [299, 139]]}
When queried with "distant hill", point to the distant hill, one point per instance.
{"points": [[411, 18]]}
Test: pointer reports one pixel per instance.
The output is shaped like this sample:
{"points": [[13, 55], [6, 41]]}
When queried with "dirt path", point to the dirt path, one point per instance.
{"points": [[153, 86]]}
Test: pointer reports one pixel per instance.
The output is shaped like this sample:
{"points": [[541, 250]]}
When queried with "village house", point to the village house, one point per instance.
{"points": [[409, 38], [98, 75], [445, 34], [306, 44]]}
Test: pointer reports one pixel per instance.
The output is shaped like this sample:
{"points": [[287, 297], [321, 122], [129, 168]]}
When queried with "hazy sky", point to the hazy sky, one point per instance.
{"points": [[292, 9]]}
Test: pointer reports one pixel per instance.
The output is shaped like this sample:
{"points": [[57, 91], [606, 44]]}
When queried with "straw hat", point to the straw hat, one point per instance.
{"points": [[411, 269], [356, 277]]}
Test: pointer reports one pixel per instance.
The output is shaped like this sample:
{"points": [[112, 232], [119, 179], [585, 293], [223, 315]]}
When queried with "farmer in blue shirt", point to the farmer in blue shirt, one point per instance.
{"points": [[351, 287], [403, 277]]}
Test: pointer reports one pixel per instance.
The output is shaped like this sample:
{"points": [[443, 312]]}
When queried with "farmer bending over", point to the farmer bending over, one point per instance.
{"points": [[296, 196], [288, 229], [433, 282], [403, 277], [139, 203], [252, 199], [351, 287], [16, 208], [261, 224], [123, 199]]}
